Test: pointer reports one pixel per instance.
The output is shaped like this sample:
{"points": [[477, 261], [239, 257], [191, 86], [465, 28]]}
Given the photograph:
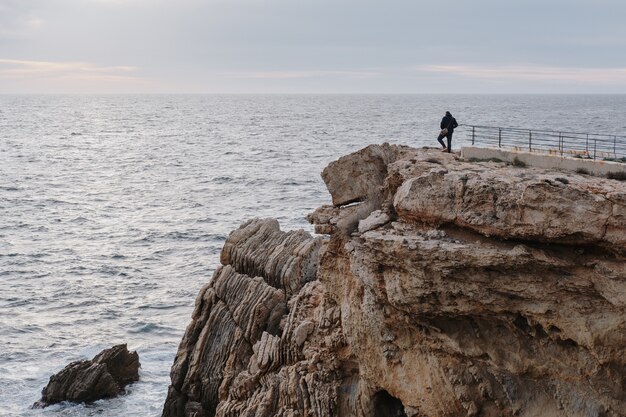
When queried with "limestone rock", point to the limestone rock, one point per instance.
{"points": [[494, 291], [283, 260], [470, 289], [353, 177], [302, 332], [240, 332], [373, 221], [533, 206], [536, 322], [104, 376]]}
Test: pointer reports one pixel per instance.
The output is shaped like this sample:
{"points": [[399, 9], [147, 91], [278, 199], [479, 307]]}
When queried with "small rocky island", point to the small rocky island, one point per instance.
{"points": [[105, 376], [438, 288]]}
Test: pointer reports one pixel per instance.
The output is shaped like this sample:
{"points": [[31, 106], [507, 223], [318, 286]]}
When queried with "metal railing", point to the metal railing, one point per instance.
{"points": [[581, 145]]}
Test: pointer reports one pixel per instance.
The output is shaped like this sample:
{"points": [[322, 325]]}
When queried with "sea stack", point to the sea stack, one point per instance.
{"points": [[105, 376], [438, 287]]}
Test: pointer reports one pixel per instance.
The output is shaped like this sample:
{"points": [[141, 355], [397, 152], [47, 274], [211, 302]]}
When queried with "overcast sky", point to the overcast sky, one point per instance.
{"points": [[307, 46]]}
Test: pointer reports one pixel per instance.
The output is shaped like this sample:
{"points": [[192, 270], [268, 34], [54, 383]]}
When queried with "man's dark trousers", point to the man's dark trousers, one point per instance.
{"points": [[449, 137]]}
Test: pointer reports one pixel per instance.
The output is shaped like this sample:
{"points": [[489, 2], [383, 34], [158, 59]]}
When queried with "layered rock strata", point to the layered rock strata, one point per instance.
{"points": [[444, 288], [249, 327], [104, 376]]}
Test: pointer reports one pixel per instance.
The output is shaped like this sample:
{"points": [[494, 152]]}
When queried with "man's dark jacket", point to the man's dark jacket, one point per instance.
{"points": [[449, 122]]}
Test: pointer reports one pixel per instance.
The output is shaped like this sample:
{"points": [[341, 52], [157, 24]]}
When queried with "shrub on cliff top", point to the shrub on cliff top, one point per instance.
{"points": [[518, 163], [485, 160], [621, 176]]}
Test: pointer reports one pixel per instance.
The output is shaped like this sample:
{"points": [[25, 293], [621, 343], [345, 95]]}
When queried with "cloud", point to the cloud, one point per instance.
{"points": [[16, 68], [19, 19], [20, 28], [29, 76], [299, 74], [593, 76]]}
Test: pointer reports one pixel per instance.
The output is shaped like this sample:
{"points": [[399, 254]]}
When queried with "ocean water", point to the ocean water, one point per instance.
{"points": [[113, 209]]}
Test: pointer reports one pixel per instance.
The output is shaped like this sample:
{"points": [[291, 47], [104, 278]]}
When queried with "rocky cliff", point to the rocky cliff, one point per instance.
{"points": [[439, 288]]}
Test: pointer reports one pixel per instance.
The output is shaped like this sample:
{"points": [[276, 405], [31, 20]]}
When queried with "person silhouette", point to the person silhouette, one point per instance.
{"points": [[448, 124]]}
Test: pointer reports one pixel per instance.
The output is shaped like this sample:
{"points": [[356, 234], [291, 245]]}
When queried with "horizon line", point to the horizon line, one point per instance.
{"points": [[311, 93]]}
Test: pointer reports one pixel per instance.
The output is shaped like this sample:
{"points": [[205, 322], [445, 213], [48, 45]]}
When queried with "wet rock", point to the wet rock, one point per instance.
{"points": [[104, 376]]}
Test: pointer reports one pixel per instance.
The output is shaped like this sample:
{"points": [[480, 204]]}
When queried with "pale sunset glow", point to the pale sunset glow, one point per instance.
{"points": [[20, 69], [240, 46], [589, 76]]}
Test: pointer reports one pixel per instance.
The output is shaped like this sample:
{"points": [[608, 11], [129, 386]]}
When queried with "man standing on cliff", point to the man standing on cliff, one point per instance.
{"points": [[448, 123]]}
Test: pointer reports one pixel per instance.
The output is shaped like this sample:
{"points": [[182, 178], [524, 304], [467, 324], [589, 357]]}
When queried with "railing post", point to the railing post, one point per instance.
{"points": [[561, 142], [587, 145], [614, 143], [595, 140], [530, 140], [473, 134], [499, 137]]}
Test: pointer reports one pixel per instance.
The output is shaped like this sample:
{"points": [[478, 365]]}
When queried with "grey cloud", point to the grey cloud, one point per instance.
{"points": [[19, 18]]}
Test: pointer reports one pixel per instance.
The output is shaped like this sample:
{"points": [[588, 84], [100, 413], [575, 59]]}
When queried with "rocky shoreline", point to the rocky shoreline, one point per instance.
{"points": [[440, 287]]}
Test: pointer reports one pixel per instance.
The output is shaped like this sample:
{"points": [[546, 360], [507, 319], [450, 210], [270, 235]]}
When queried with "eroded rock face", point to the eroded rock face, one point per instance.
{"points": [[453, 289], [495, 291], [104, 376], [248, 332], [499, 327]]}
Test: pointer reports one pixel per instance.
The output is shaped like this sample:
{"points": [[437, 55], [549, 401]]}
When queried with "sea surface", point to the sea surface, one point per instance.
{"points": [[113, 209]]}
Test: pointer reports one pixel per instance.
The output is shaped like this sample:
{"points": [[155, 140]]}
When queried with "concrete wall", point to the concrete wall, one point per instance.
{"points": [[542, 160]]}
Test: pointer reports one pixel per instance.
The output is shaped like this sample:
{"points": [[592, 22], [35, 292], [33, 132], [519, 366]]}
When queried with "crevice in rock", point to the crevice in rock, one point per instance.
{"points": [[605, 227], [386, 405], [522, 323], [351, 203], [567, 343], [553, 329]]}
